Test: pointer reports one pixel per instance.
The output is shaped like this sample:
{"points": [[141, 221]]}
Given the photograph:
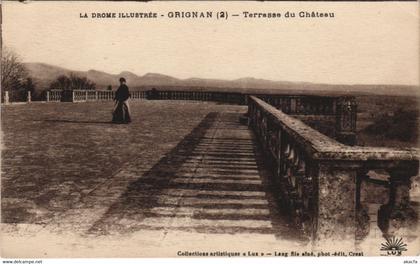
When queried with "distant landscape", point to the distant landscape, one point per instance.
{"points": [[388, 115], [44, 74]]}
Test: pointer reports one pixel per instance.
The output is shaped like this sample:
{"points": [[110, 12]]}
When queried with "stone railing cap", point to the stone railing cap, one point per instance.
{"points": [[322, 147]]}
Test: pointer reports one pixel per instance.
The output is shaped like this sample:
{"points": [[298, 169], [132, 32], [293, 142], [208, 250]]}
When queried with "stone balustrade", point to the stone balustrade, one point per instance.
{"points": [[84, 95], [225, 97], [138, 95], [105, 95], [334, 116], [16, 97], [319, 180], [54, 96], [67, 96], [87, 95]]}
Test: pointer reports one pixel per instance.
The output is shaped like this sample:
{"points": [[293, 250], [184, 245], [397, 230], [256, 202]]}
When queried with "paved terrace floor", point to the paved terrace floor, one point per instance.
{"points": [[179, 170]]}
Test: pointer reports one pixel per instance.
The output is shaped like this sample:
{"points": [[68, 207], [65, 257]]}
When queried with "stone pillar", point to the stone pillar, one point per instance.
{"points": [[6, 97], [362, 210], [96, 95], [293, 106], [346, 114], [86, 95], [29, 96], [335, 217], [48, 96], [397, 217]]}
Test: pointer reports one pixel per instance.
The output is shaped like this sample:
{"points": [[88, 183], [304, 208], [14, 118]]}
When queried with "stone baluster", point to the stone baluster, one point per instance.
{"points": [[397, 217], [6, 97], [362, 211], [293, 105], [279, 154], [346, 120]]}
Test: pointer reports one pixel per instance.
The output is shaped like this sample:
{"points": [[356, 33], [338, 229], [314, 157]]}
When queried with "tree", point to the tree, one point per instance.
{"points": [[61, 83], [81, 83], [29, 85], [73, 82], [13, 72], [109, 88]]}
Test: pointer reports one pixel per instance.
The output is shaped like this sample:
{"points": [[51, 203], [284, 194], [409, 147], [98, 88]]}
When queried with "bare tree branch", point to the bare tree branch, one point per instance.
{"points": [[13, 72]]}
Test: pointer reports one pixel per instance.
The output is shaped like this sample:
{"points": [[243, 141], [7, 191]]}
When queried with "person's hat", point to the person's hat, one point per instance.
{"points": [[122, 79]]}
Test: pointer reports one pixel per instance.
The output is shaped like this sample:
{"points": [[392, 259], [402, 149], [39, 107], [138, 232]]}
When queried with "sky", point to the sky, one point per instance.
{"points": [[365, 43]]}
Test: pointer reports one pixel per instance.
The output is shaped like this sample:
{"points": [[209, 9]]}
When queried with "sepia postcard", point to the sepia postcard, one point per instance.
{"points": [[228, 129]]}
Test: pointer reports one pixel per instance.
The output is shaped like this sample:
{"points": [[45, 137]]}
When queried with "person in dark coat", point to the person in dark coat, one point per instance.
{"points": [[121, 113]]}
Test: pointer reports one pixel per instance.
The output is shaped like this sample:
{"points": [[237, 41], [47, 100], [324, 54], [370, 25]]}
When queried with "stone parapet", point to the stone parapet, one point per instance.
{"points": [[320, 179]]}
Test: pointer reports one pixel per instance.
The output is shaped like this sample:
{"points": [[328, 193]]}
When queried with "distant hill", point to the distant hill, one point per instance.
{"points": [[44, 74]]}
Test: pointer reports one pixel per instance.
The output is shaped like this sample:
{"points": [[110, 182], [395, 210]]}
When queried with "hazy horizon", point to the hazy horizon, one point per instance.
{"points": [[363, 45], [204, 78]]}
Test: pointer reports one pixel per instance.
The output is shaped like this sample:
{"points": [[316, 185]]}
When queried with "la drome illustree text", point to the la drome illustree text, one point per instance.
{"points": [[206, 15]]}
